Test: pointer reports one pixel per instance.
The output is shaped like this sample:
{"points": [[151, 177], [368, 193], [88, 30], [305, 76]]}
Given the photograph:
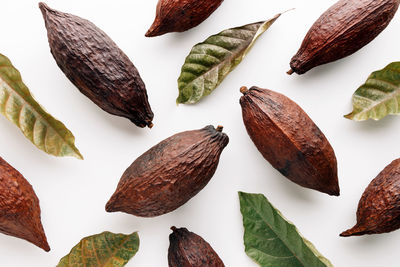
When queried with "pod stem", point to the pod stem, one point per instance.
{"points": [[290, 72], [244, 90], [173, 228], [219, 128]]}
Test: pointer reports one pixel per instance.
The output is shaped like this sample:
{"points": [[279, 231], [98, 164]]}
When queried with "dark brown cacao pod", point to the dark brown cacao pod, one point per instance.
{"points": [[342, 30], [289, 139], [95, 64], [180, 16], [19, 207], [170, 173], [379, 207], [186, 249]]}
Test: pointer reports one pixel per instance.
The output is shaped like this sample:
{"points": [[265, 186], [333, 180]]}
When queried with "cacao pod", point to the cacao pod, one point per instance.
{"points": [[19, 207], [342, 30], [186, 249], [289, 139], [170, 173], [379, 207], [96, 66], [180, 16]]}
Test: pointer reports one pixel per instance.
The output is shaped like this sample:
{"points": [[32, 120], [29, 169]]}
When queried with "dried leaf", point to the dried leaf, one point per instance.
{"points": [[18, 105], [211, 61], [102, 250], [271, 240], [379, 96]]}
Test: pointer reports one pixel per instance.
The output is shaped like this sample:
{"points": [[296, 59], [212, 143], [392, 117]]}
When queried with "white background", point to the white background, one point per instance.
{"points": [[73, 193]]}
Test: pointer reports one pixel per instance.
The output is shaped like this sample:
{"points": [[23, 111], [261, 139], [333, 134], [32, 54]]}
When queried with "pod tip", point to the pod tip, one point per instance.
{"points": [[219, 128], [150, 125], [155, 29], [173, 228], [355, 231]]}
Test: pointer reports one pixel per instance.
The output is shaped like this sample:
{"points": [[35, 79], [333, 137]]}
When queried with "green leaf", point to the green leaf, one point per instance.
{"points": [[18, 105], [211, 61], [271, 240], [102, 250], [379, 96]]}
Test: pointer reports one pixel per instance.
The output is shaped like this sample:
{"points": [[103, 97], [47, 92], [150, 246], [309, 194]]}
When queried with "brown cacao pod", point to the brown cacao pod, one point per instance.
{"points": [[96, 66], [379, 207], [342, 30], [186, 249], [19, 207], [180, 16], [170, 173], [289, 139]]}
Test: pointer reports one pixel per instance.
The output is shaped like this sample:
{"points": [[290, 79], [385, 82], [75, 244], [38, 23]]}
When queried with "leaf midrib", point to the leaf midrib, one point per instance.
{"points": [[266, 222], [234, 54], [388, 97], [38, 114]]}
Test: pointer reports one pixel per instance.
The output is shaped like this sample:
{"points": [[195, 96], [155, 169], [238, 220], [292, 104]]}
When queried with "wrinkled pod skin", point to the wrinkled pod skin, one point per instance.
{"points": [[289, 140], [342, 30], [379, 207], [97, 67], [186, 249], [19, 207], [170, 173], [180, 16]]}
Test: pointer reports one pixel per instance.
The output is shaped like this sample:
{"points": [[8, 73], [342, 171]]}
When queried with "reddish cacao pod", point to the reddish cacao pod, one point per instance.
{"points": [[379, 207], [170, 173], [181, 15], [342, 30], [289, 139], [19, 207]]}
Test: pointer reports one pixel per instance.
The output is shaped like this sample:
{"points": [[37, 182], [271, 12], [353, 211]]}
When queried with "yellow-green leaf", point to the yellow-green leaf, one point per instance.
{"points": [[271, 240], [102, 250], [379, 96], [211, 61], [18, 105]]}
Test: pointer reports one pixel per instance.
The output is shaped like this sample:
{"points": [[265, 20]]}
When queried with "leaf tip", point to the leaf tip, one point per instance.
{"points": [[349, 116]]}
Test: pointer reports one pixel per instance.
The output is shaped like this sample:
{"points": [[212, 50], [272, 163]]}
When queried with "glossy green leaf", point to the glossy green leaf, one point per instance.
{"points": [[379, 96], [271, 240], [102, 250], [18, 105], [211, 61]]}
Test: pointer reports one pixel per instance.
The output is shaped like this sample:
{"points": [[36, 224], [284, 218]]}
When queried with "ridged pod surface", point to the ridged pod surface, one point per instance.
{"points": [[97, 66], [287, 138], [186, 249], [170, 173], [379, 207], [181, 15], [19, 207], [342, 30]]}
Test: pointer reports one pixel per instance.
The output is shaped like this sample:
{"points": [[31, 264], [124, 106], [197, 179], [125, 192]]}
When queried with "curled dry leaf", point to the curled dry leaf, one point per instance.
{"points": [[170, 173], [18, 105], [96, 66], [271, 240], [186, 249], [379, 96], [289, 139], [342, 30], [180, 16], [102, 250], [211, 61], [19, 207], [379, 207]]}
